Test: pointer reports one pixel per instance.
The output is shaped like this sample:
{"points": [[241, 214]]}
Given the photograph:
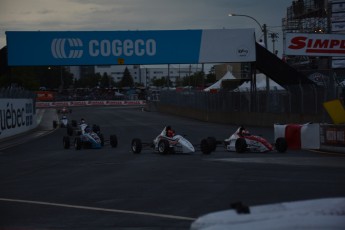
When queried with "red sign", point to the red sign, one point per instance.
{"points": [[315, 44]]}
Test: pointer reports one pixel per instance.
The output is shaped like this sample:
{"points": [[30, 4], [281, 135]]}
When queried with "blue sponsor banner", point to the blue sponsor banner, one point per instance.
{"points": [[29, 48]]}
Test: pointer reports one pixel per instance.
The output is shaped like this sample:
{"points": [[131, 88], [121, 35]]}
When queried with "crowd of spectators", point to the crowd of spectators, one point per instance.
{"points": [[16, 92]]}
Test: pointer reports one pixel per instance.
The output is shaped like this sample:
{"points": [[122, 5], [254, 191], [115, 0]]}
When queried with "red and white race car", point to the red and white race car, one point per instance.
{"points": [[242, 141], [64, 110], [165, 144]]}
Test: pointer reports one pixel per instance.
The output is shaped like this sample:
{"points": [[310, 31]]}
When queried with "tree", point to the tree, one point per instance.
{"points": [[106, 81], [197, 79], [127, 80]]}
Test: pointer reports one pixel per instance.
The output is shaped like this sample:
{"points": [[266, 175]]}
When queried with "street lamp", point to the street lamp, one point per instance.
{"points": [[264, 31], [262, 27]]}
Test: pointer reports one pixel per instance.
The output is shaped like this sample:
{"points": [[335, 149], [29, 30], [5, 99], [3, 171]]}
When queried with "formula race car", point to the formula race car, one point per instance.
{"points": [[64, 123], [64, 110], [88, 138], [242, 141], [165, 144]]}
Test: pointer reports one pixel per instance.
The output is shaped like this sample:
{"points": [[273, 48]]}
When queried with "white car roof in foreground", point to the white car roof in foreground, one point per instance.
{"points": [[328, 213]]}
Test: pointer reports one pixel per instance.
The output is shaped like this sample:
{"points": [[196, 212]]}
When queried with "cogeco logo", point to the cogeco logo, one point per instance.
{"points": [[73, 47], [118, 48]]}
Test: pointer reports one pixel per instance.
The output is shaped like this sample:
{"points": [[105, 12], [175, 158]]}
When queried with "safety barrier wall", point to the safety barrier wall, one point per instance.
{"points": [[16, 116], [88, 103], [313, 136]]}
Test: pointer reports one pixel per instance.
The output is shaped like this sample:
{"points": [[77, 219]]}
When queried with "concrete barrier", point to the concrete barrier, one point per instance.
{"points": [[16, 116]]}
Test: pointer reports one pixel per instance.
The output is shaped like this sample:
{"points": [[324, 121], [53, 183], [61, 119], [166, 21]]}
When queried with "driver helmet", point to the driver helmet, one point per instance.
{"points": [[82, 121], [64, 117]]}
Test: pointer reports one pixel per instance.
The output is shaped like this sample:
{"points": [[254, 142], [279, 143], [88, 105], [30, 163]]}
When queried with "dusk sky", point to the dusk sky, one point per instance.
{"points": [[100, 15]]}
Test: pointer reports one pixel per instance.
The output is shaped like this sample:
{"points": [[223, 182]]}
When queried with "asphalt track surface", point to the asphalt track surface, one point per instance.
{"points": [[43, 186]]}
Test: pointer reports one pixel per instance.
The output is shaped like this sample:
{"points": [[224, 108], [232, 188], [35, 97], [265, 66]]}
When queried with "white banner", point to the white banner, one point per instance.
{"points": [[315, 44]]}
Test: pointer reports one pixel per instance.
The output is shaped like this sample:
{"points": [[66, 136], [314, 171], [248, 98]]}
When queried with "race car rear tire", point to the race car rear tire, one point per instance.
{"points": [[54, 124], [74, 123], [205, 146], [113, 141], [77, 143], [281, 145], [240, 145], [163, 146], [69, 130], [136, 145], [212, 143], [102, 138], [66, 142]]}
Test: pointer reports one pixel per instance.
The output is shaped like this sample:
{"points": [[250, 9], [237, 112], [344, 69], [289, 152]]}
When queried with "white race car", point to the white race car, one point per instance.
{"points": [[164, 144], [244, 142]]}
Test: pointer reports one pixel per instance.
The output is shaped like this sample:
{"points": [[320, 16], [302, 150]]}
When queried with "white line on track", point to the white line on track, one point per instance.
{"points": [[98, 209]]}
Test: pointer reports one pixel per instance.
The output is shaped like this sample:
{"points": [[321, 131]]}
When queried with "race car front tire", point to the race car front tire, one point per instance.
{"points": [[113, 141], [136, 145], [212, 143], [77, 143], [163, 146], [205, 146], [241, 145], [66, 142], [281, 145]]}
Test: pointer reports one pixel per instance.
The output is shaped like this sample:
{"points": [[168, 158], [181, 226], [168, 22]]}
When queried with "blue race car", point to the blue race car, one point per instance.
{"points": [[89, 139]]}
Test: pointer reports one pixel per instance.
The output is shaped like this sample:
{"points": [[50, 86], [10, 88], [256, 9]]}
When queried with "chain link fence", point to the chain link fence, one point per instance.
{"points": [[303, 100]]}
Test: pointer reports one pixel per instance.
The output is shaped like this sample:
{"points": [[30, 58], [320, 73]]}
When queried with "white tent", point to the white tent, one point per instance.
{"points": [[218, 84], [260, 84]]}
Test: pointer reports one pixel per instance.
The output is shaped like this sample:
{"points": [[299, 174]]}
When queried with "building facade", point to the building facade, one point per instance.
{"points": [[146, 74]]}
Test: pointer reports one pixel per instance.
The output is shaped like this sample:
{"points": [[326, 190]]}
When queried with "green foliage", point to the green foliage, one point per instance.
{"points": [[127, 80], [162, 82], [195, 80]]}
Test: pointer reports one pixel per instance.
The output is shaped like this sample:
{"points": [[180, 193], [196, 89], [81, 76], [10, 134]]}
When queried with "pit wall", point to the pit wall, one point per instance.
{"points": [[16, 116]]}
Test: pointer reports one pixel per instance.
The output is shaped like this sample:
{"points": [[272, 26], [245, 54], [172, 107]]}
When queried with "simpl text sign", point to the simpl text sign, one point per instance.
{"points": [[315, 44], [29, 48]]}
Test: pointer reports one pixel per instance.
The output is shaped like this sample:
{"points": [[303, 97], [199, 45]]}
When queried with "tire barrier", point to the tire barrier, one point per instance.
{"points": [[299, 136]]}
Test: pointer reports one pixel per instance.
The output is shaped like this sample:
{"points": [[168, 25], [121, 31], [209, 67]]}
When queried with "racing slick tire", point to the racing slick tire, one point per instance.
{"points": [[102, 138], [281, 145], [74, 123], [205, 146], [69, 130], [113, 141], [240, 145], [212, 143], [66, 142], [77, 143], [163, 146], [55, 124], [136, 145]]}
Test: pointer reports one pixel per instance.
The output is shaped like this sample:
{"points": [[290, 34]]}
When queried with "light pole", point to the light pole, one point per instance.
{"points": [[264, 31], [262, 27]]}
